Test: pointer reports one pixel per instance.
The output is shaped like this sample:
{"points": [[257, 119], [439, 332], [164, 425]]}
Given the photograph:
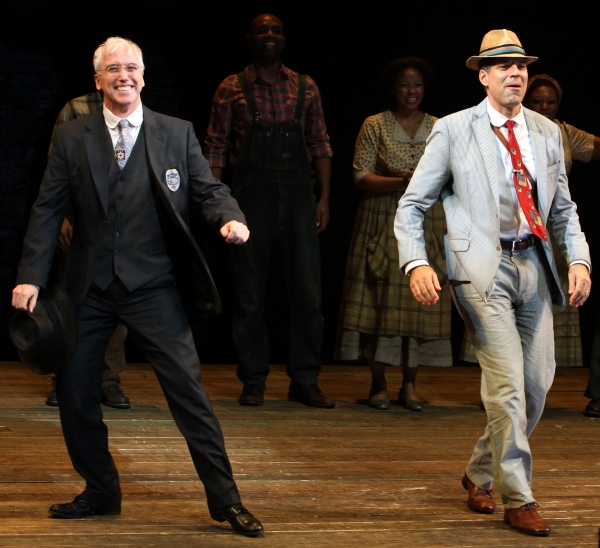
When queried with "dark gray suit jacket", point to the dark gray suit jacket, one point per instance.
{"points": [[76, 180]]}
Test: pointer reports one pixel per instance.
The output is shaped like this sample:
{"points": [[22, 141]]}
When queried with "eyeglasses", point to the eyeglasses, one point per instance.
{"points": [[116, 69]]}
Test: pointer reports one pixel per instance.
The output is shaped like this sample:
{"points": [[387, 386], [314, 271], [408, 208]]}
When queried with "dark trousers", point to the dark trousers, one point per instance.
{"points": [[155, 318], [593, 387], [114, 358], [282, 215]]}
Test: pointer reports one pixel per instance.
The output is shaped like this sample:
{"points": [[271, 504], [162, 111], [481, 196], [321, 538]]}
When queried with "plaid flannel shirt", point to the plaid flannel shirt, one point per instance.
{"points": [[77, 108], [276, 103]]}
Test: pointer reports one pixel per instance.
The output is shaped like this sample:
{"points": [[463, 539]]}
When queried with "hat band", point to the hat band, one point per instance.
{"points": [[502, 49]]}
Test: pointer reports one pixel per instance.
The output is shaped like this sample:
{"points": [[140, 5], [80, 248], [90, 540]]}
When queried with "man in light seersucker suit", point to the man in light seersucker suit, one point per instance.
{"points": [[500, 264]]}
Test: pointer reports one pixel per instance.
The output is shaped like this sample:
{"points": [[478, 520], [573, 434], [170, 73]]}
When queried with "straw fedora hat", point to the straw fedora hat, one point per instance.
{"points": [[45, 339], [498, 44]]}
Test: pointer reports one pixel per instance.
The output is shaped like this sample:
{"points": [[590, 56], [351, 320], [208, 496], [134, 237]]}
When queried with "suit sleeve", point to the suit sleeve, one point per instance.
{"points": [[210, 195], [563, 216], [46, 218], [432, 173]]}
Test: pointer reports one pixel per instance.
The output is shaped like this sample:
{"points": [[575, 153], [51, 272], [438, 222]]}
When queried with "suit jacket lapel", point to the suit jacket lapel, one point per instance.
{"points": [[484, 136], [95, 141], [539, 153], [156, 143]]}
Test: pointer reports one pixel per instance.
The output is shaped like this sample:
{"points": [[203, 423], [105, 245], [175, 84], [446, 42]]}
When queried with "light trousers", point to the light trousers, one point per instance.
{"points": [[513, 338]]}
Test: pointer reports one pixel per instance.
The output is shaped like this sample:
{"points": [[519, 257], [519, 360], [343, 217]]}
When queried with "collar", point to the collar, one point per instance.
{"points": [[284, 74], [135, 118], [499, 120]]}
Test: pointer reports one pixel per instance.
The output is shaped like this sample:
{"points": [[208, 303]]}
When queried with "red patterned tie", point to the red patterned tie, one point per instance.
{"points": [[524, 193]]}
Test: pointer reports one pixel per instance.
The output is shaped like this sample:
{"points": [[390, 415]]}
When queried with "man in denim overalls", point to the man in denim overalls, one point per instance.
{"points": [[270, 120]]}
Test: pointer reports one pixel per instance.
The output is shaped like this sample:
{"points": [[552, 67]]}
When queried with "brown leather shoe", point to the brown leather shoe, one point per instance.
{"points": [[478, 500], [527, 520], [252, 394], [309, 394]]}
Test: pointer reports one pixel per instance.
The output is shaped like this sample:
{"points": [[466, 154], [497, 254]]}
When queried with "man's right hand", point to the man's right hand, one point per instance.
{"points": [[424, 284], [24, 297], [65, 236]]}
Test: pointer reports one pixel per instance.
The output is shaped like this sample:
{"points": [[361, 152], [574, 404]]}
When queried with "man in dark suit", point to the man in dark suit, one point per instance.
{"points": [[129, 176]]}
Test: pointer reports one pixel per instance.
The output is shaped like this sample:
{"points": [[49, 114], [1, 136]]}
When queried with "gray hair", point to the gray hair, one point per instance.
{"points": [[115, 44]]}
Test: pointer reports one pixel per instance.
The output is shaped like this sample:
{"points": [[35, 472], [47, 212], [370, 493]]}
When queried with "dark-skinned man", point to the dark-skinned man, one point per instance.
{"points": [[270, 121]]}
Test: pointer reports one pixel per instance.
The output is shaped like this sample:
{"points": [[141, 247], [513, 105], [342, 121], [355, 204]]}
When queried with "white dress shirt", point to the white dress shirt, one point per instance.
{"points": [[513, 223], [135, 120]]}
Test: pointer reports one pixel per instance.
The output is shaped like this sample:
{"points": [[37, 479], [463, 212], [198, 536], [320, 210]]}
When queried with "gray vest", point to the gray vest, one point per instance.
{"points": [[134, 248]]}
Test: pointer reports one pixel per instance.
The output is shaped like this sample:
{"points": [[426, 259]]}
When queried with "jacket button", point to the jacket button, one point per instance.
{"points": [[498, 248], [116, 251], [117, 234], [103, 223], [96, 256]]}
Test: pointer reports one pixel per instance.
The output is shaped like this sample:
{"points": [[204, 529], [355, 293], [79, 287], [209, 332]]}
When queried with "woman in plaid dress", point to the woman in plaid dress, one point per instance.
{"points": [[379, 318]]}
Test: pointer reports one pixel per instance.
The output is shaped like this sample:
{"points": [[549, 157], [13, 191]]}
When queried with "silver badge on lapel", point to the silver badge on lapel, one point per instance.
{"points": [[172, 177]]}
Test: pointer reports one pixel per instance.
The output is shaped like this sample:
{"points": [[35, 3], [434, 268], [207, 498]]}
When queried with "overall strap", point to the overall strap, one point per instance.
{"points": [[301, 97], [252, 106]]}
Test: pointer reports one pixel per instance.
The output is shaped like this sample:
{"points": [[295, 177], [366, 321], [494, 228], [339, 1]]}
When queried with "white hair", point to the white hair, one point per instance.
{"points": [[115, 44]]}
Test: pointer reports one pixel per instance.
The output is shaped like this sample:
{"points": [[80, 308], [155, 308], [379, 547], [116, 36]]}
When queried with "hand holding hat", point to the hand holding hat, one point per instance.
{"points": [[25, 297], [44, 330]]}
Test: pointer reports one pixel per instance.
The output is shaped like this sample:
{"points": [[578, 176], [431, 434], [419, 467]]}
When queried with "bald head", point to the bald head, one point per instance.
{"points": [[258, 20]]}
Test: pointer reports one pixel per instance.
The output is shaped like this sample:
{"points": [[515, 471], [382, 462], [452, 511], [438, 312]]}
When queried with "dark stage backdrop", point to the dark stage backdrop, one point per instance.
{"points": [[189, 47]]}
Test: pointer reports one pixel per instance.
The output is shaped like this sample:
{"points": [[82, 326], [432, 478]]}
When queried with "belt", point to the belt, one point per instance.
{"points": [[517, 245]]}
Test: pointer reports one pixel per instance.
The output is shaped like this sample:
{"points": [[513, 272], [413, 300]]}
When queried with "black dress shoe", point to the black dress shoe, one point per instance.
{"points": [[51, 399], [592, 409], [252, 394], [113, 396], [309, 394], [241, 521], [81, 508]]}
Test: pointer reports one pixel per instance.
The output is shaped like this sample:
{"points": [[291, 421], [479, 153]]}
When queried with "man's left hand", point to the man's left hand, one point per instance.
{"points": [[580, 284], [235, 233], [322, 215]]}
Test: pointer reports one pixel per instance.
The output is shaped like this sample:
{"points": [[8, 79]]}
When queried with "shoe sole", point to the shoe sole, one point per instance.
{"points": [[52, 403], [244, 533], [118, 405], [378, 407], [251, 403], [299, 400], [114, 512], [526, 532], [591, 414], [481, 510]]}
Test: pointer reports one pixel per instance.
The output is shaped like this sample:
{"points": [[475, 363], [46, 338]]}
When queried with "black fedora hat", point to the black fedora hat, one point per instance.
{"points": [[45, 339]]}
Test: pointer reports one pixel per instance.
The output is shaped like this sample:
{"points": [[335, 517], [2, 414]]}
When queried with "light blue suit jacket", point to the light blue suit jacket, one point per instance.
{"points": [[460, 165]]}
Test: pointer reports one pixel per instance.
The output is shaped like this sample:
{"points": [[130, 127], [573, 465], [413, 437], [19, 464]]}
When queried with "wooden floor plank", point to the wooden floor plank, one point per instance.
{"points": [[351, 476]]}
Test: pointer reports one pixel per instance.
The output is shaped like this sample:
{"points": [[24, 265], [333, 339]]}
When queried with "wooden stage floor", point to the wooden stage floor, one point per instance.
{"points": [[346, 477]]}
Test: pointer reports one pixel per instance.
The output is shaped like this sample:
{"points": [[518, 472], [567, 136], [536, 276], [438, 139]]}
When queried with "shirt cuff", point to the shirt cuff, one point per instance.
{"points": [[413, 264], [581, 261]]}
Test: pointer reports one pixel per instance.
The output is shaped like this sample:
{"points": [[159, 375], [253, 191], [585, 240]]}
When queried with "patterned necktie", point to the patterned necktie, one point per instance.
{"points": [[524, 193], [124, 143]]}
